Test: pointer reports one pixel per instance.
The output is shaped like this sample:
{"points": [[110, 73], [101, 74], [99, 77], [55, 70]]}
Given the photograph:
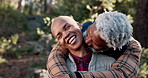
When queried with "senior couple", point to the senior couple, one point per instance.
{"points": [[103, 49]]}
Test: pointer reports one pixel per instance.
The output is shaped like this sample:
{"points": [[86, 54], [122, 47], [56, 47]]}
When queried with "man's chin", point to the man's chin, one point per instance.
{"points": [[75, 47]]}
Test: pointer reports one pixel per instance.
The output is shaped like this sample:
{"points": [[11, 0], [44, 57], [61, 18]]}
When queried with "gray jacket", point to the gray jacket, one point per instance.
{"points": [[98, 62]]}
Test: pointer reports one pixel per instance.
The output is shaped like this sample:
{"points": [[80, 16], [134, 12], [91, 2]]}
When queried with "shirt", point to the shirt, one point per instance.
{"points": [[82, 62], [98, 62], [126, 66]]}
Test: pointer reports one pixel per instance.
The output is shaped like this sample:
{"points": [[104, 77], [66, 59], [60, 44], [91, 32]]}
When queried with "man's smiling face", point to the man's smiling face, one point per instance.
{"points": [[67, 32]]}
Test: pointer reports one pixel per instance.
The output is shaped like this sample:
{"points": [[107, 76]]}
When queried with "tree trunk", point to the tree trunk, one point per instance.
{"points": [[49, 8], [45, 6], [141, 23], [19, 5]]}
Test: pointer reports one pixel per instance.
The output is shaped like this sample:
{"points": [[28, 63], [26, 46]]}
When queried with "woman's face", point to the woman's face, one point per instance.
{"points": [[93, 39]]}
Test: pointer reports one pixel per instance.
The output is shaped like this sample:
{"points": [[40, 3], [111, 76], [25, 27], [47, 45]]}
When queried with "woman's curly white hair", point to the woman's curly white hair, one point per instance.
{"points": [[114, 28]]}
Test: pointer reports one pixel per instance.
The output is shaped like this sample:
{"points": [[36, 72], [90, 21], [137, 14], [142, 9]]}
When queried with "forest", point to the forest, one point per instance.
{"points": [[26, 39]]}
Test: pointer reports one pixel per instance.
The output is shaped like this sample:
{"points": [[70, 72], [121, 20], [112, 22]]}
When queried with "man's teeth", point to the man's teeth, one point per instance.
{"points": [[72, 40]]}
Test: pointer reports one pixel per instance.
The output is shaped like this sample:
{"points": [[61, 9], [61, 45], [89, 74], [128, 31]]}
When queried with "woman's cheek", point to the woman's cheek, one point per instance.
{"points": [[88, 41]]}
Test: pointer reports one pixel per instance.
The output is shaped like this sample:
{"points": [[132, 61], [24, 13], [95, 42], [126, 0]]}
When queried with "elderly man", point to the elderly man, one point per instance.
{"points": [[125, 66]]}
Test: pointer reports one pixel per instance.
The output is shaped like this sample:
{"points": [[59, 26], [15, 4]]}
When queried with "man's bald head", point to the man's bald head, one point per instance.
{"points": [[58, 20]]}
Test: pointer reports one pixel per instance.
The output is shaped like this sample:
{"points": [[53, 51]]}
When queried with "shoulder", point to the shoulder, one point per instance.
{"points": [[101, 62], [103, 58], [133, 43], [59, 48]]}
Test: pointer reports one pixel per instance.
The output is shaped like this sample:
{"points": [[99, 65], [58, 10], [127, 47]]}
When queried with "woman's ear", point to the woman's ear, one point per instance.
{"points": [[80, 26]]}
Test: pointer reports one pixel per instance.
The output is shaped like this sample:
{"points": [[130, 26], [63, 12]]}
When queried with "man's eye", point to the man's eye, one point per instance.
{"points": [[67, 27], [59, 36]]}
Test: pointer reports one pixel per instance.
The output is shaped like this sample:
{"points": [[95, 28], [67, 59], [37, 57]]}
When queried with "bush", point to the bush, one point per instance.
{"points": [[143, 73], [11, 21]]}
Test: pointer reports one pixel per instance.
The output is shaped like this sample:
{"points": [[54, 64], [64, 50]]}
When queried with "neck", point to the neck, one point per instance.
{"points": [[79, 52]]}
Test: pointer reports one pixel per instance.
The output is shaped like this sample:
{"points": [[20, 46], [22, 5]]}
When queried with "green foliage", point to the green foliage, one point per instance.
{"points": [[126, 6], [6, 44], [46, 38], [143, 73], [18, 51], [71, 8], [47, 21], [14, 39], [9, 46], [2, 60], [11, 21], [108, 4], [39, 64], [85, 9]]}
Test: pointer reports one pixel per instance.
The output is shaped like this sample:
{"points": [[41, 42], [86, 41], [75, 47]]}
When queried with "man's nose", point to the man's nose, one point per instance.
{"points": [[65, 34]]}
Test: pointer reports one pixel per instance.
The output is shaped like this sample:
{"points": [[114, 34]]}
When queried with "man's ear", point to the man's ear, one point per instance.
{"points": [[80, 26]]}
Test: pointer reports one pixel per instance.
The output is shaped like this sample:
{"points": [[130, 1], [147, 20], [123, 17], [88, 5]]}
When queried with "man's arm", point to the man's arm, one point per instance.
{"points": [[126, 66]]}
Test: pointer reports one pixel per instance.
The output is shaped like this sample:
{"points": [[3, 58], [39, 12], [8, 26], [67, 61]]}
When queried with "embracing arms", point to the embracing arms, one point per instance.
{"points": [[126, 66]]}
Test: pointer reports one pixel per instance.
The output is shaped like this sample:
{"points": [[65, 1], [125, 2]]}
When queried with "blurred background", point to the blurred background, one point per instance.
{"points": [[25, 35]]}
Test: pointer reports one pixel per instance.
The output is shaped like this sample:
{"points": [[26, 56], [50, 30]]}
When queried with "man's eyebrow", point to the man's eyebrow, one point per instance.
{"points": [[65, 25]]}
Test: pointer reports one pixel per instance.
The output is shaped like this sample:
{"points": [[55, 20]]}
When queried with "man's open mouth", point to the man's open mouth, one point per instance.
{"points": [[72, 39]]}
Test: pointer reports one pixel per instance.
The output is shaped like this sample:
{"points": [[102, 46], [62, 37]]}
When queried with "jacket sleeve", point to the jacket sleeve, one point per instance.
{"points": [[56, 64]]}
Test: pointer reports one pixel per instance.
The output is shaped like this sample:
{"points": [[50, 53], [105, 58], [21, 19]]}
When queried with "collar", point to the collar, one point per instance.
{"points": [[84, 58]]}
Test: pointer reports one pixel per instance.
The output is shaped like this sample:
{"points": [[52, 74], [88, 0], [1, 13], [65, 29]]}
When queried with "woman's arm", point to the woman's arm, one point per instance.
{"points": [[126, 66], [56, 64]]}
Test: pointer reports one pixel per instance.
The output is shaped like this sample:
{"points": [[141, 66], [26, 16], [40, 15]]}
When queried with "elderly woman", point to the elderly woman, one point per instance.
{"points": [[110, 32]]}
